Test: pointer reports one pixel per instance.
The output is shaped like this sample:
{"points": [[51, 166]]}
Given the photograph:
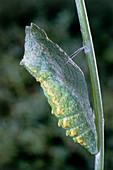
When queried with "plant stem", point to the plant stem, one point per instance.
{"points": [[97, 100]]}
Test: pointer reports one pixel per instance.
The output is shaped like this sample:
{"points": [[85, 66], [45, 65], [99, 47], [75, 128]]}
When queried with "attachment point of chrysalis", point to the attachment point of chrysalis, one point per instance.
{"points": [[86, 49]]}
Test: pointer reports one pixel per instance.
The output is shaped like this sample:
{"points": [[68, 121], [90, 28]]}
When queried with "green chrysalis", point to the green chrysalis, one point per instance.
{"points": [[64, 86]]}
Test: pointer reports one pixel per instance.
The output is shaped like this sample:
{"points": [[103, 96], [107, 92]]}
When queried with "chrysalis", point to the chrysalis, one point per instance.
{"points": [[64, 86]]}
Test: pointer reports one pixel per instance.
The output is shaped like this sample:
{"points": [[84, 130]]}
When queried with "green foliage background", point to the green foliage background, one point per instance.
{"points": [[29, 136]]}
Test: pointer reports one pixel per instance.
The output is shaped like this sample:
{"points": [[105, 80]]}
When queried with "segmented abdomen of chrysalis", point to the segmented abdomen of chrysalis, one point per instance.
{"points": [[63, 85]]}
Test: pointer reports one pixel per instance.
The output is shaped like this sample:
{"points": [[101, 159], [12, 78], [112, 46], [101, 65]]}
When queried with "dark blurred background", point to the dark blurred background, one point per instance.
{"points": [[29, 136]]}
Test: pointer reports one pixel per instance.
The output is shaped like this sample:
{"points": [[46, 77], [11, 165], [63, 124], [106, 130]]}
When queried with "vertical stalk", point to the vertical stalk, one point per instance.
{"points": [[97, 100]]}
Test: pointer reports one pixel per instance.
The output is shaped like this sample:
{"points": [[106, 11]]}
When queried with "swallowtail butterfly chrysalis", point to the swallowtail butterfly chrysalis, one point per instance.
{"points": [[64, 86]]}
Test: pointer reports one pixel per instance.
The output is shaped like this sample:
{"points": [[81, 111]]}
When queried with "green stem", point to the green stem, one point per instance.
{"points": [[97, 100]]}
